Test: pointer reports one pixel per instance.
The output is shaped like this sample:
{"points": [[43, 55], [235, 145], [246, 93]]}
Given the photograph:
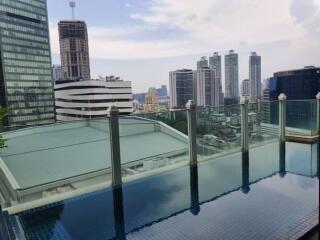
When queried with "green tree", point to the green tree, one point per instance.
{"points": [[3, 113]]}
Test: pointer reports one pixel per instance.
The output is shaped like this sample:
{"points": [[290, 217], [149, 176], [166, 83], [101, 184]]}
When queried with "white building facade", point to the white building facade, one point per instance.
{"points": [[76, 100]]}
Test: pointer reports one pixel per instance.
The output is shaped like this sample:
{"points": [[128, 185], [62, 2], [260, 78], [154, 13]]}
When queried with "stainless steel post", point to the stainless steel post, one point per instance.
{"points": [[192, 133], [282, 117]]}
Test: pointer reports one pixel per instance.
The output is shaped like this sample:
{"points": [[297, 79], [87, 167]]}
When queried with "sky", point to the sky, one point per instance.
{"points": [[142, 40]]}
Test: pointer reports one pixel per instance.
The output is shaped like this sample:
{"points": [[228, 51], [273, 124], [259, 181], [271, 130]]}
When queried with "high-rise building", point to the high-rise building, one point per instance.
{"points": [[231, 77], [203, 62], [92, 98], [255, 76], [298, 84], [181, 87], [26, 86], [215, 64], [57, 72], [74, 50], [245, 87], [207, 87]]}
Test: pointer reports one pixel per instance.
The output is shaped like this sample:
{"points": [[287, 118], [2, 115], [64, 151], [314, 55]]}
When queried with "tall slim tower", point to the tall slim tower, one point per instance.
{"points": [[26, 86], [215, 65], [255, 76], [74, 48], [232, 77]]}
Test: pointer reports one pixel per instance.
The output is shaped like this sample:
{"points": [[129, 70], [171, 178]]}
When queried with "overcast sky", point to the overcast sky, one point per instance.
{"points": [[142, 40]]}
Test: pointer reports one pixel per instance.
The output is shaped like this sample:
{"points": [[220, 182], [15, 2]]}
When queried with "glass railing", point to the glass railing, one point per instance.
{"points": [[76, 157], [301, 117], [150, 142], [218, 130]]}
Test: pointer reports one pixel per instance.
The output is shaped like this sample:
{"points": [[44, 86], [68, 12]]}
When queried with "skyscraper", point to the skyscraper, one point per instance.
{"points": [[203, 62], [181, 87], [255, 76], [74, 50], [26, 86], [57, 72], [231, 77], [215, 64]]}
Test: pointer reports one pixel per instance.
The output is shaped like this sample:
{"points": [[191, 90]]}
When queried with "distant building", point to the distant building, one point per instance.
{"points": [[215, 64], [255, 76], [26, 86], [162, 91], [181, 87], [74, 50], [207, 86], [151, 101], [231, 78], [57, 72], [77, 100], [298, 84], [245, 87], [140, 97], [203, 62]]}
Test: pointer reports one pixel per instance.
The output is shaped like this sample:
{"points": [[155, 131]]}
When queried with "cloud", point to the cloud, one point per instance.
{"points": [[307, 15]]}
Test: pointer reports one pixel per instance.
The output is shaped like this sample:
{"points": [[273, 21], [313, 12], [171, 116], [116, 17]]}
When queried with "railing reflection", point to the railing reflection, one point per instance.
{"points": [[245, 173], [118, 211], [282, 159], [194, 190]]}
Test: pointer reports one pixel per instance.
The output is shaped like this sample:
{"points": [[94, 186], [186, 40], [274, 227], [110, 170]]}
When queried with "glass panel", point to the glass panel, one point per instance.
{"points": [[301, 117], [218, 130], [57, 159], [263, 122], [152, 142]]}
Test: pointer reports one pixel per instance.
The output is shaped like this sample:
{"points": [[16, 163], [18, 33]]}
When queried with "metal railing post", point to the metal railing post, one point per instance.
{"points": [[192, 131], [282, 117], [115, 146], [318, 113], [244, 125]]}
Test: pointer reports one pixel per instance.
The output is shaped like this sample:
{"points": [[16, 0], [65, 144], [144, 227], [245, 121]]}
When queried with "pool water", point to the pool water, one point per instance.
{"points": [[272, 195]]}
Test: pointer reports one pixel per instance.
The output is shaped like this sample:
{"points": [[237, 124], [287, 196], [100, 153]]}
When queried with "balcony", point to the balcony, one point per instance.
{"points": [[233, 172]]}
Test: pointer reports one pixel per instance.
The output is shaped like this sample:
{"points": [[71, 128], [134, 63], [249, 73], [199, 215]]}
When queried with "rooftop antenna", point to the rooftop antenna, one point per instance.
{"points": [[72, 4]]}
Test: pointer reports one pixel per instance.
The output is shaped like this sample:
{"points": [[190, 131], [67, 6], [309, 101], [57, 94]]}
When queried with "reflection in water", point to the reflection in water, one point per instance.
{"points": [[118, 213], [318, 158], [282, 159], [195, 205], [245, 173]]}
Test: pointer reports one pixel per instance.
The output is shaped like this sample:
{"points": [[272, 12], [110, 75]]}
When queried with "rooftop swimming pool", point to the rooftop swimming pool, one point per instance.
{"points": [[273, 194]]}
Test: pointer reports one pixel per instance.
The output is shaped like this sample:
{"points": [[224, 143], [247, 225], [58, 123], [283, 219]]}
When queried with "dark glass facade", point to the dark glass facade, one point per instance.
{"points": [[301, 84], [26, 85]]}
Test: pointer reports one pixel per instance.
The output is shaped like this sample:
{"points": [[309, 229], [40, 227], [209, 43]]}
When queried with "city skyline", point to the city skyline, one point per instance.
{"points": [[125, 35]]}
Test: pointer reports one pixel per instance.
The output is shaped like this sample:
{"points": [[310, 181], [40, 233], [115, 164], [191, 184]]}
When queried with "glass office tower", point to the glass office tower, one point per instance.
{"points": [[26, 85]]}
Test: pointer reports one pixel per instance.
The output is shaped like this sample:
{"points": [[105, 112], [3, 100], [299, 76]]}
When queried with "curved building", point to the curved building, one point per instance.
{"points": [[92, 98]]}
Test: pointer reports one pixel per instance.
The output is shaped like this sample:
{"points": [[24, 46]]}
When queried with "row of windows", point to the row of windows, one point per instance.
{"points": [[24, 36], [25, 43], [27, 77], [15, 63], [34, 3], [31, 117], [26, 57], [25, 6], [28, 91], [20, 28], [21, 104], [25, 50], [22, 13], [28, 84], [27, 111], [42, 97], [27, 70]]}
